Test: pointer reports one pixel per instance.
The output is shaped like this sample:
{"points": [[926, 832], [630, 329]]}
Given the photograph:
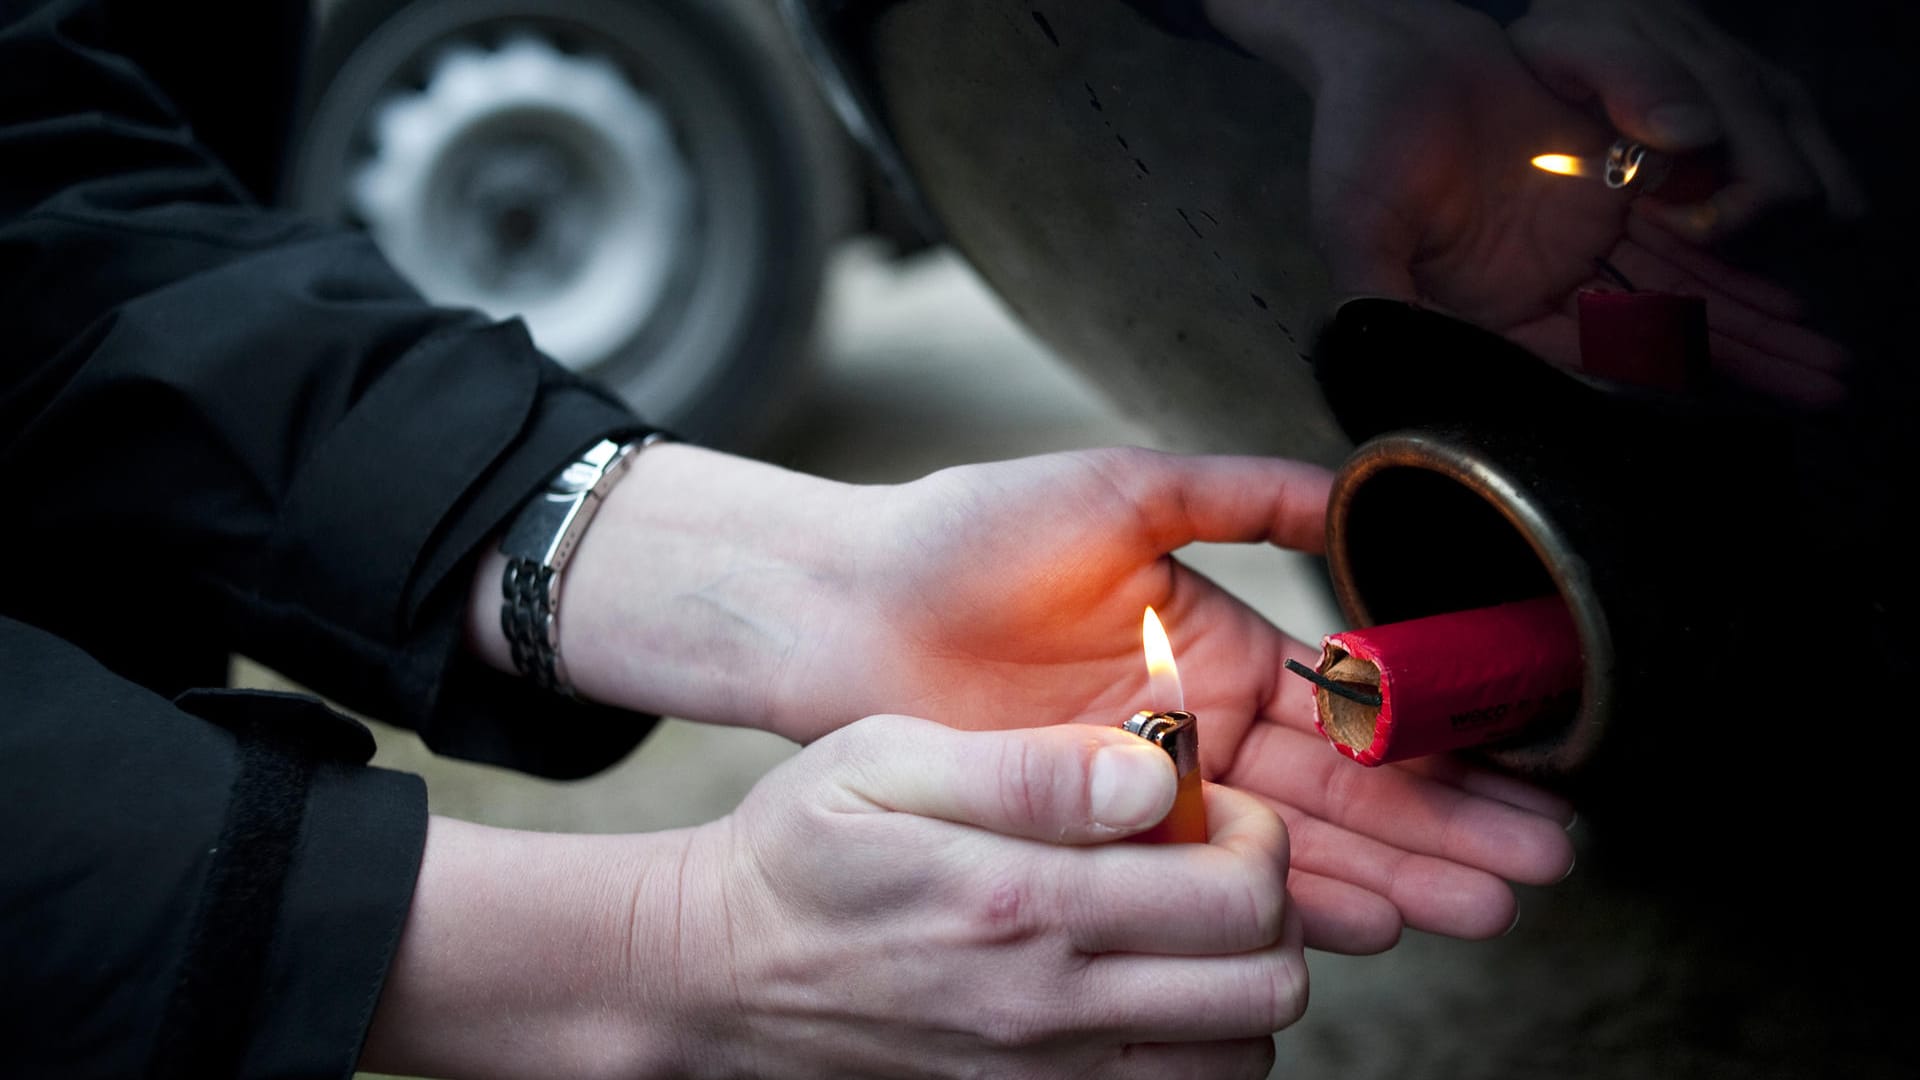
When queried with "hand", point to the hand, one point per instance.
{"points": [[905, 899], [1670, 78], [1426, 121], [898, 899], [1009, 595]]}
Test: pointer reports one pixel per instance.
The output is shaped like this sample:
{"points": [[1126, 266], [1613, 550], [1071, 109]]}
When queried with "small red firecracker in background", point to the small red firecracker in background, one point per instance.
{"points": [[1639, 337]]}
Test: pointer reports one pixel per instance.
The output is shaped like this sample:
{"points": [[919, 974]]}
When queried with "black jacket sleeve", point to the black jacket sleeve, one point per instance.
{"points": [[203, 888], [225, 427]]}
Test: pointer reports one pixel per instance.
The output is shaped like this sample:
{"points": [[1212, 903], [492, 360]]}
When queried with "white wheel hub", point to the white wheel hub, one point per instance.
{"points": [[528, 181]]}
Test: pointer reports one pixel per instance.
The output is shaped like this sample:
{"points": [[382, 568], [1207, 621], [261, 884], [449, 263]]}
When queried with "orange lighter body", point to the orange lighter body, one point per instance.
{"points": [[1176, 732]]}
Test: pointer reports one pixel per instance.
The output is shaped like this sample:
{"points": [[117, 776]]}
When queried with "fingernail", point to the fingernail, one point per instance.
{"points": [[1514, 923], [1570, 865], [1683, 125], [1572, 821], [1127, 786]]}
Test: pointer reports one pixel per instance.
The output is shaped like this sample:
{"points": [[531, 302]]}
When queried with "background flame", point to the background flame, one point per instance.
{"points": [[1564, 164], [1163, 676]]}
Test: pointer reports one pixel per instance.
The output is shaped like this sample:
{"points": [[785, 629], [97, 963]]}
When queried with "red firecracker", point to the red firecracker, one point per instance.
{"points": [[1650, 339], [1442, 683]]}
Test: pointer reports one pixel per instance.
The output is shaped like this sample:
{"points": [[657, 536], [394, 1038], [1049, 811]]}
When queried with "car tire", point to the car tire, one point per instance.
{"points": [[642, 180]]}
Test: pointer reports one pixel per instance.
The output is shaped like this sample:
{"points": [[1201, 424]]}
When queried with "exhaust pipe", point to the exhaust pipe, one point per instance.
{"points": [[1430, 522], [1485, 476]]}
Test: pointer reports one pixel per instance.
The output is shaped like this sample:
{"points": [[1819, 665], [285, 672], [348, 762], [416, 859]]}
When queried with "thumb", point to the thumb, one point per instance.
{"points": [[1069, 783], [1648, 95]]}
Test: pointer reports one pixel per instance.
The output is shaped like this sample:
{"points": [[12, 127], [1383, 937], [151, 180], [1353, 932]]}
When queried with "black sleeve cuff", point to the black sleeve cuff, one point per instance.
{"points": [[345, 905], [481, 420], [304, 900], [211, 887]]}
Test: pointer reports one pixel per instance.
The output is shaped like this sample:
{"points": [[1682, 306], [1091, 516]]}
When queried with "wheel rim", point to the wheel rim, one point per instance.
{"points": [[527, 181], [726, 287]]}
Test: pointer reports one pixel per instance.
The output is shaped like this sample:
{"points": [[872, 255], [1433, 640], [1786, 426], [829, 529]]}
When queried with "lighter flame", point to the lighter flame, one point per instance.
{"points": [[1163, 676], [1563, 164]]}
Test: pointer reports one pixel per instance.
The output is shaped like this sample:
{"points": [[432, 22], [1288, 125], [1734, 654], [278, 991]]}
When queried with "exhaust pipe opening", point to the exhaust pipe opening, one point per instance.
{"points": [[1425, 523]]}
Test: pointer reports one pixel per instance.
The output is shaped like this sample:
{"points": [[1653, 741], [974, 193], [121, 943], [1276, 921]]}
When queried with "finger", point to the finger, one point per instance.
{"points": [[1403, 810], [1290, 704], [1778, 378], [1732, 320], [1846, 199], [1733, 208], [1067, 783], [1761, 295], [1341, 917], [1795, 344], [1242, 824], [1227, 896], [1769, 170], [1436, 895], [1251, 1059], [1791, 380], [1451, 770], [1646, 93], [1221, 499], [1180, 999], [1792, 343], [1296, 705], [1695, 35], [1293, 703], [1751, 345], [1729, 314]]}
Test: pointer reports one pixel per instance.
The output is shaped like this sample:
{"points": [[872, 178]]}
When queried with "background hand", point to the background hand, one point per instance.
{"points": [[1671, 78], [1426, 123]]}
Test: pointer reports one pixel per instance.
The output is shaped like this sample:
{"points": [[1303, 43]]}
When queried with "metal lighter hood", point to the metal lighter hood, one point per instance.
{"points": [[1174, 731]]}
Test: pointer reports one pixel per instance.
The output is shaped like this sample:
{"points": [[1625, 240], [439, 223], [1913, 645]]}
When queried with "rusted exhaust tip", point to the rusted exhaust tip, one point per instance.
{"points": [[1425, 523]]}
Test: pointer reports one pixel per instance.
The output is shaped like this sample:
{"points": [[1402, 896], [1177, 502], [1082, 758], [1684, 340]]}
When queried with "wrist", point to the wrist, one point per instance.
{"points": [[526, 954], [700, 578], [538, 546]]}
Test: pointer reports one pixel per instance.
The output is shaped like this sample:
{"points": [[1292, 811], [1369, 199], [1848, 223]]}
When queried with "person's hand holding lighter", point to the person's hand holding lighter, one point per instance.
{"points": [[899, 899], [1671, 79], [1428, 115], [1010, 595]]}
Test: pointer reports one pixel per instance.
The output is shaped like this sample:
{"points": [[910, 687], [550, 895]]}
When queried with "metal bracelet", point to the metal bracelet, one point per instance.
{"points": [[538, 547], [528, 592]]}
